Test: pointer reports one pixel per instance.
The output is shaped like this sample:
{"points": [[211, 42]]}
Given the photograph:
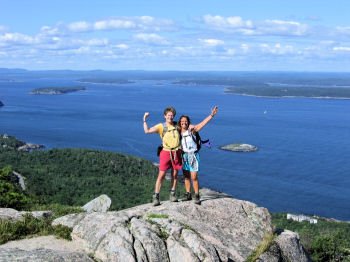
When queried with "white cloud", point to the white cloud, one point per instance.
{"points": [[135, 23], [268, 27], [16, 39], [153, 39], [114, 24], [279, 27], [96, 42], [341, 48], [212, 42], [219, 22], [343, 30], [278, 49], [80, 26], [122, 46], [245, 48]]}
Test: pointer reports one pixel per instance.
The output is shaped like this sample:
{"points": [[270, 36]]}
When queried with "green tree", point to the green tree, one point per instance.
{"points": [[11, 195]]}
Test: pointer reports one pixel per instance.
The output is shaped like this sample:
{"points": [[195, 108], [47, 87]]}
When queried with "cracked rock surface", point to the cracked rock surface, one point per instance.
{"points": [[221, 229]]}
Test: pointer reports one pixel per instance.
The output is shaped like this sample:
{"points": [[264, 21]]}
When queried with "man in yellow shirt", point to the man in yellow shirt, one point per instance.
{"points": [[170, 156]]}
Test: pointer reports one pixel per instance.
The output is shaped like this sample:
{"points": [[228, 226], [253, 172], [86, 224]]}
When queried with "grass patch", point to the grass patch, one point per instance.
{"points": [[30, 226], [263, 247], [163, 234], [152, 215], [189, 228]]}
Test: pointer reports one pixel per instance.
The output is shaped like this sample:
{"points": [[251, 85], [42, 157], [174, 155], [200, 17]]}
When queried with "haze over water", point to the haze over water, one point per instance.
{"points": [[302, 164]]}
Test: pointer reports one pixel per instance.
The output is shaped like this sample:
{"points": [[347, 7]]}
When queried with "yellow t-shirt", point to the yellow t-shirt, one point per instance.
{"points": [[171, 139]]}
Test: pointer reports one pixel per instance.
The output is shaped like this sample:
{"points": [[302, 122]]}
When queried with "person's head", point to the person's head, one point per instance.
{"points": [[169, 113], [184, 122]]}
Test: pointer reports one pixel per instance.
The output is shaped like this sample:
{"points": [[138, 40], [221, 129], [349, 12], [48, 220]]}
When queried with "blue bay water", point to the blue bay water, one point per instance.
{"points": [[302, 165]]}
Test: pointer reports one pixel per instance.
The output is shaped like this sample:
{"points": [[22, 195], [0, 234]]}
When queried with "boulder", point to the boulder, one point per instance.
{"points": [[28, 147], [285, 248], [221, 229], [99, 204]]}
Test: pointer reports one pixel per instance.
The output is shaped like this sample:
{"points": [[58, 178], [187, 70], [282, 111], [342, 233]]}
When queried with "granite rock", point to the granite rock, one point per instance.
{"points": [[99, 204]]}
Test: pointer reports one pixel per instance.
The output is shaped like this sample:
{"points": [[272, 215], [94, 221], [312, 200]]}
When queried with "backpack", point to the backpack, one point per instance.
{"points": [[196, 138], [199, 142], [170, 138]]}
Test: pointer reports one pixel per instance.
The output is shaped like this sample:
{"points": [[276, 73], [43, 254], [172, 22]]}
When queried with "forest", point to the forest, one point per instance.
{"points": [[72, 176]]}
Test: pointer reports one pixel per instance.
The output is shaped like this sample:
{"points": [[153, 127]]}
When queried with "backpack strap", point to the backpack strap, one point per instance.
{"points": [[165, 129]]}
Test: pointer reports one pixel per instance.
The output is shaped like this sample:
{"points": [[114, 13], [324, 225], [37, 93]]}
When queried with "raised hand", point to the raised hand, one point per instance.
{"points": [[214, 111], [145, 116]]}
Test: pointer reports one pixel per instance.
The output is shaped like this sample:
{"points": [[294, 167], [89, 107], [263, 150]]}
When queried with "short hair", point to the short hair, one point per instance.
{"points": [[169, 109]]}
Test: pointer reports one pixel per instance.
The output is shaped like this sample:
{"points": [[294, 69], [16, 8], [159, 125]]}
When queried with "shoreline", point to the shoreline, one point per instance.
{"points": [[217, 192], [315, 97]]}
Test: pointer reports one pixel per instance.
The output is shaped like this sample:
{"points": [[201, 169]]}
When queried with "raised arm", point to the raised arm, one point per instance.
{"points": [[147, 130], [198, 127]]}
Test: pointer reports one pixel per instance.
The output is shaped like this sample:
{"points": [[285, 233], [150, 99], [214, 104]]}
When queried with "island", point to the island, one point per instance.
{"points": [[239, 147], [271, 87], [271, 90], [56, 90], [105, 81], [1, 103]]}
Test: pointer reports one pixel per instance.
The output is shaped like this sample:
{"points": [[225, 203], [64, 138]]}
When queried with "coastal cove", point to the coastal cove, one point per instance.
{"points": [[301, 165]]}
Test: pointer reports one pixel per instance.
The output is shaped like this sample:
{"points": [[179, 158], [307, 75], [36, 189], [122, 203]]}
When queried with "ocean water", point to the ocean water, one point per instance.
{"points": [[302, 164]]}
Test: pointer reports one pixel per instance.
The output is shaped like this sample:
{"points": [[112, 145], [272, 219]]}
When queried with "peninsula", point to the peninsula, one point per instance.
{"points": [[56, 90]]}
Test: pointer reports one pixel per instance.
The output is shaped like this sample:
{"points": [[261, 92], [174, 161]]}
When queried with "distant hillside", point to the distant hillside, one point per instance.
{"points": [[74, 176]]}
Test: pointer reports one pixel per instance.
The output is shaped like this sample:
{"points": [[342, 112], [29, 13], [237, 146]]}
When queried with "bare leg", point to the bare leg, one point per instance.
{"points": [[195, 182], [159, 181], [174, 178], [187, 180]]}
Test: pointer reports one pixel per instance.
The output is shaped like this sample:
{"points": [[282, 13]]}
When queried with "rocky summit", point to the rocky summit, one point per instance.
{"points": [[220, 229]]}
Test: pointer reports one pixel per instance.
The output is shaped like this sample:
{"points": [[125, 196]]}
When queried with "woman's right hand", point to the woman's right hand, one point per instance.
{"points": [[145, 116]]}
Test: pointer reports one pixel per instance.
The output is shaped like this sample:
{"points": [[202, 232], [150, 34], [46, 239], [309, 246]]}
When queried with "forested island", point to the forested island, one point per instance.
{"points": [[105, 81], [56, 90], [278, 87], [284, 91]]}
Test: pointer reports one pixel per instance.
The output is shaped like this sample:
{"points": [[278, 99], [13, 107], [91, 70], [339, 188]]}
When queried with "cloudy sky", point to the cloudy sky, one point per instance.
{"points": [[194, 35]]}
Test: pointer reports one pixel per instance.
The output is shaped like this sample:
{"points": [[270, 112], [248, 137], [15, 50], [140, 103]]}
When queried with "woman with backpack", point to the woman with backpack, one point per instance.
{"points": [[170, 154], [190, 146]]}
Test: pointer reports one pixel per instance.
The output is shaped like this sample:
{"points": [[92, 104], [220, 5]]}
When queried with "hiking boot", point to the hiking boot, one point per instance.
{"points": [[197, 199], [187, 197], [173, 198], [156, 200]]}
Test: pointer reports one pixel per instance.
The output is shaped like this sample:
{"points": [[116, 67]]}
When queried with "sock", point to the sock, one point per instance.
{"points": [[156, 194], [172, 191]]}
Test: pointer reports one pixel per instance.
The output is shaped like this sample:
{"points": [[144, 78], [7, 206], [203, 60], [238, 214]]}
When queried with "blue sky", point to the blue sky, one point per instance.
{"points": [[176, 35]]}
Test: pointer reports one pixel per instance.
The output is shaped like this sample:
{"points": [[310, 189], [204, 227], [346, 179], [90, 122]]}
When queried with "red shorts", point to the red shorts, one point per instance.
{"points": [[165, 162]]}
